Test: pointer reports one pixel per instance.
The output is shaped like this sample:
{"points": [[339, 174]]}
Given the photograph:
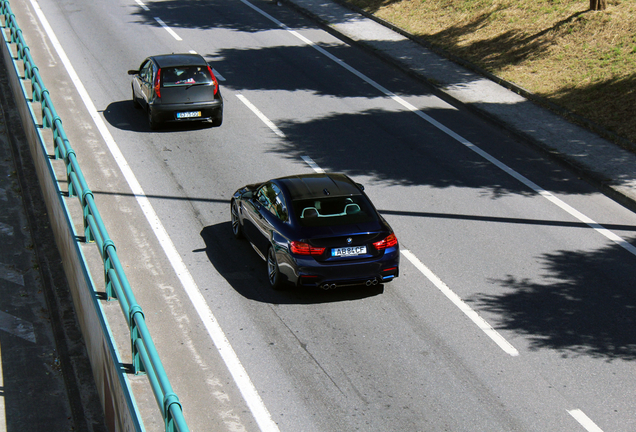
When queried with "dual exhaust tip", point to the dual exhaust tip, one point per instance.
{"points": [[334, 286]]}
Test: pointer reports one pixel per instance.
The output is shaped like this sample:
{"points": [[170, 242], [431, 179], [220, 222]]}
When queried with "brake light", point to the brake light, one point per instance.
{"points": [[157, 83], [301, 248], [388, 242], [214, 80]]}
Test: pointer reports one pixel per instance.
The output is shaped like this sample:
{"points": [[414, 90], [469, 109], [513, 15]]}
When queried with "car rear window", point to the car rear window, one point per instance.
{"points": [[331, 211], [185, 75]]}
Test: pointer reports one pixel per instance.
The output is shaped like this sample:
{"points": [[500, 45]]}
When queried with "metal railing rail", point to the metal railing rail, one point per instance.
{"points": [[144, 354]]}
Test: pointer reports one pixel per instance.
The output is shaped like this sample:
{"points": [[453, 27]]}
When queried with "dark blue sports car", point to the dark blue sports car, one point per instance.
{"points": [[316, 230]]}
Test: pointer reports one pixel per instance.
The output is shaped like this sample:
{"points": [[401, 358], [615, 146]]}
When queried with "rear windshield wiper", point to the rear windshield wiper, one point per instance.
{"points": [[198, 84]]}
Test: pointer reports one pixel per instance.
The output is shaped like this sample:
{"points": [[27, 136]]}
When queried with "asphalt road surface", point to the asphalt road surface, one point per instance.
{"points": [[514, 309]]}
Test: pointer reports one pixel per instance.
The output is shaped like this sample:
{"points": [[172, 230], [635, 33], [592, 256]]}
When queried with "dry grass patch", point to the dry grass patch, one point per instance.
{"points": [[582, 60]]}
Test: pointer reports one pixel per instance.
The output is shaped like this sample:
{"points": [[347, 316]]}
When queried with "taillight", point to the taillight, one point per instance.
{"points": [[157, 83], [301, 248], [388, 242], [214, 80]]}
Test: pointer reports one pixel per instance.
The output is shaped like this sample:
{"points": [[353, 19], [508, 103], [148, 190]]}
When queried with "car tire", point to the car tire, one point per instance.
{"points": [[136, 103], [273, 272], [237, 229]]}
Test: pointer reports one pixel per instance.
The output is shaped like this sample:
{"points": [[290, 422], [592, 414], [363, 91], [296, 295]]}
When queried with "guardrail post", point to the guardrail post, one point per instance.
{"points": [[58, 133], [108, 265], [138, 365], [169, 400], [69, 153], [89, 237]]}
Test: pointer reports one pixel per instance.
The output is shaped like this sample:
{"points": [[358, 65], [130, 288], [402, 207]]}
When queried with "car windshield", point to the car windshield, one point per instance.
{"points": [[329, 211], [185, 75]]}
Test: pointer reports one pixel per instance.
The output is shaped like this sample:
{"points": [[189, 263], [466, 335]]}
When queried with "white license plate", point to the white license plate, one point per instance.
{"points": [[189, 114], [349, 251]]}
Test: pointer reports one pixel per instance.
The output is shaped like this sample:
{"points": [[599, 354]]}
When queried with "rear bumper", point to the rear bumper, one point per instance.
{"points": [[310, 273], [168, 112]]}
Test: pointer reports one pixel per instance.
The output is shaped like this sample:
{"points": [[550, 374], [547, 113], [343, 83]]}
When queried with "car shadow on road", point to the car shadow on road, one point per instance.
{"points": [[246, 272], [123, 115]]}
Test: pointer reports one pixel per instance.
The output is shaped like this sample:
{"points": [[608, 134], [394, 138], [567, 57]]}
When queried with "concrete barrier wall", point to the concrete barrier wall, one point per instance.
{"points": [[112, 384]]}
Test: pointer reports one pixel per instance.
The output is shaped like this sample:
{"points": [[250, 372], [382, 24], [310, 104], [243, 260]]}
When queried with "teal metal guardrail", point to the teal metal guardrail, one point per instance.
{"points": [[144, 354]]}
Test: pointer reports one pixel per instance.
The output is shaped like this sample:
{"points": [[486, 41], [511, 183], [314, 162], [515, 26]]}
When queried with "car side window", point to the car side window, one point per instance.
{"points": [[271, 197], [146, 71], [261, 196], [279, 204], [153, 72]]}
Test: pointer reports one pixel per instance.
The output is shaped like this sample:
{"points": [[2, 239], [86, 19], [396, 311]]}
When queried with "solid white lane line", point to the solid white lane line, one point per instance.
{"points": [[585, 421], [549, 196], [457, 301], [261, 116], [236, 369], [313, 165], [168, 29], [143, 6]]}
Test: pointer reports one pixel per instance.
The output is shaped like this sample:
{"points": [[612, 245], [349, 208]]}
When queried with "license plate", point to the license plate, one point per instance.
{"points": [[188, 114], [348, 251]]}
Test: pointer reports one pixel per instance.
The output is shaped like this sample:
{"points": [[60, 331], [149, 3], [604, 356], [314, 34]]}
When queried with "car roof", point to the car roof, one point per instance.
{"points": [[168, 60], [308, 186]]}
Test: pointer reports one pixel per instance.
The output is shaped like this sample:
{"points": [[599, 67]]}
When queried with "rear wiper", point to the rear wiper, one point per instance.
{"points": [[197, 84]]}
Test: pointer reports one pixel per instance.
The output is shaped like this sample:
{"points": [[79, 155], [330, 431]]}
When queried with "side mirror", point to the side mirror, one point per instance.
{"points": [[360, 186], [133, 72]]}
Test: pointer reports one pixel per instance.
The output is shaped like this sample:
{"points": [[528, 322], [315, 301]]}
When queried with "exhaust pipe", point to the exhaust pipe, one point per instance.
{"points": [[368, 283], [333, 286], [375, 281], [325, 287]]}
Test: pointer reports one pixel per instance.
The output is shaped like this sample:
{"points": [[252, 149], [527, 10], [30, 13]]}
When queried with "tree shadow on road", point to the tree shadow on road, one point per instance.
{"points": [[584, 305], [209, 14]]}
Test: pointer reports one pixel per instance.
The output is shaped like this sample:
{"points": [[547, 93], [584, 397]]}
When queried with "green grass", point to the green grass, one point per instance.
{"points": [[582, 60]]}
